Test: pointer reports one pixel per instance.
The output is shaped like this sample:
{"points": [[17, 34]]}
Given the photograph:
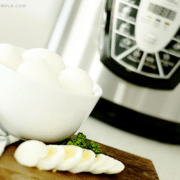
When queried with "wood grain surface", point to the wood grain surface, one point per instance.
{"points": [[136, 168]]}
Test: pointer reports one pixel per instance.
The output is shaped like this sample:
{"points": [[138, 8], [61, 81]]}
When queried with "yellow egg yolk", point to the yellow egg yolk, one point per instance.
{"points": [[51, 152], [96, 159], [69, 152], [86, 156]]}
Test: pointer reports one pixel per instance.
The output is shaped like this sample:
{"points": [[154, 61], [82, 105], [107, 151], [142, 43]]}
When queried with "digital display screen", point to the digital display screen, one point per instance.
{"points": [[162, 11]]}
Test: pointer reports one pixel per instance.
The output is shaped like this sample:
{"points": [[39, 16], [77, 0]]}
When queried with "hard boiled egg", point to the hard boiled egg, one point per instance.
{"points": [[76, 80], [108, 164], [98, 161], [117, 168], [10, 56], [73, 155], [87, 160], [54, 156], [29, 152], [38, 70], [53, 59]]}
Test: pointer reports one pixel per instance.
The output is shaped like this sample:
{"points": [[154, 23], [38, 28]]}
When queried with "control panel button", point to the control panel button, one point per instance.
{"points": [[150, 39], [125, 28], [173, 47], [127, 12], [150, 65], [134, 2], [134, 58], [122, 44], [176, 46], [168, 62]]}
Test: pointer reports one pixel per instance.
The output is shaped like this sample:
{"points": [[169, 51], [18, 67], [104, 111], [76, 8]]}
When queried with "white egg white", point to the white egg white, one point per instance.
{"points": [[10, 56], [53, 158], [54, 60], [108, 164], [117, 168], [76, 80], [73, 155], [39, 71], [86, 161], [29, 152], [99, 161]]}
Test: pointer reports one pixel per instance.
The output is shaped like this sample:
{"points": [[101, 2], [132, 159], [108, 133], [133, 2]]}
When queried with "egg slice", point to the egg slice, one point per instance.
{"points": [[73, 155], [76, 80], [117, 168], [29, 152], [108, 164], [87, 160], [10, 56], [39, 71], [54, 156], [98, 161], [53, 59]]}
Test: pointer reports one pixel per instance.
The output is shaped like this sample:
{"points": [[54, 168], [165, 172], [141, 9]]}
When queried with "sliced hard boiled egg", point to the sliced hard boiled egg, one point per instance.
{"points": [[54, 156], [98, 161], [29, 152], [117, 168], [10, 56], [54, 60], [108, 164], [87, 160], [39, 71], [73, 155], [76, 80]]}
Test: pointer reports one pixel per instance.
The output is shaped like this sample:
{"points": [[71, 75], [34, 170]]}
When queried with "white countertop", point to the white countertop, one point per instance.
{"points": [[165, 157]]}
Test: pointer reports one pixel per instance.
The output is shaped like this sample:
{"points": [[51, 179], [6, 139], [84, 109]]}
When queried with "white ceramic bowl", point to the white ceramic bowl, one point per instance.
{"points": [[29, 110]]}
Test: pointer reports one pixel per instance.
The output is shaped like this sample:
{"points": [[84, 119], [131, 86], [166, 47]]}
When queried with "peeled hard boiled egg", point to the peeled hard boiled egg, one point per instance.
{"points": [[10, 56], [73, 155], [86, 161], [29, 152], [39, 71], [53, 59], [54, 156], [76, 80], [117, 168], [108, 164], [98, 161]]}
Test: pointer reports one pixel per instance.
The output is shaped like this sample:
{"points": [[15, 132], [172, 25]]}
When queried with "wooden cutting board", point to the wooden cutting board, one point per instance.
{"points": [[136, 168]]}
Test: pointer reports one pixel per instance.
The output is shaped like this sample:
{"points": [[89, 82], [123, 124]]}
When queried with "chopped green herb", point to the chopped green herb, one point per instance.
{"points": [[81, 141]]}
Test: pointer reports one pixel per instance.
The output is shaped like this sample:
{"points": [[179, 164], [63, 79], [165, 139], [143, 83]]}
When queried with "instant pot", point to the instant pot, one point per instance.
{"points": [[140, 53]]}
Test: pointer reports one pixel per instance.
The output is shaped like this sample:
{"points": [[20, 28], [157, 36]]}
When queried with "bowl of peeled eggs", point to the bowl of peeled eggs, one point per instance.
{"points": [[41, 98]]}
